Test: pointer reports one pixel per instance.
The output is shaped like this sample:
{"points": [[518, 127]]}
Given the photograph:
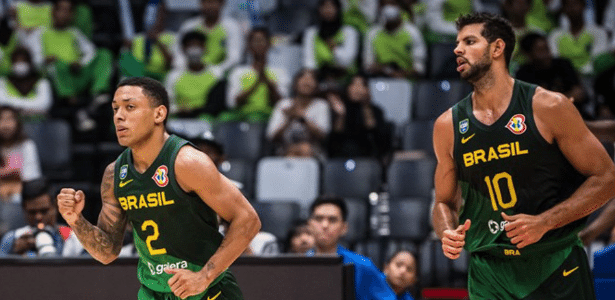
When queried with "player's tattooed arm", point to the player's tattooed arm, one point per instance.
{"points": [[104, 241]]}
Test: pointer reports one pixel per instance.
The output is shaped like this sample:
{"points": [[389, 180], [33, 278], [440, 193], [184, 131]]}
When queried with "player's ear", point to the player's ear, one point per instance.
{"points": [[498, 48], [160, 114]]}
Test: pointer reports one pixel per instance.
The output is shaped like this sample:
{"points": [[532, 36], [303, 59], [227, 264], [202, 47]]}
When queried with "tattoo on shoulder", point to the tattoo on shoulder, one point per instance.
{"points": [[106, 185]]}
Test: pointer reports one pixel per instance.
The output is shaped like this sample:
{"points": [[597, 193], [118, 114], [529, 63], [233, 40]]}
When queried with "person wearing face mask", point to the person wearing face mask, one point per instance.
{"points": [[394, 48], [24, 88], [224, 47], [189, 89]]}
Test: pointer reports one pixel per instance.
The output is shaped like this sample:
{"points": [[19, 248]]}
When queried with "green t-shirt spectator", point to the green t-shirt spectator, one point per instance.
{"points": [[441, 16], [243, 78], [317, 54], [404, 47], [581, 49], [157, 63], [189, 91], [32, 15]]}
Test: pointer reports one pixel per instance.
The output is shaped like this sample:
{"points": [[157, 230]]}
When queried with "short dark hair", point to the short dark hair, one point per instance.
{"points": [[194, 35], [334, 200], [19, 135], [20, 50], [152, 89], [261, 29], [35, 188], [494, 27], [528, 41]]}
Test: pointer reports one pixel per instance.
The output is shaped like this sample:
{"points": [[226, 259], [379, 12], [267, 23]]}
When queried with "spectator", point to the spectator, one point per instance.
{"points": [[83, 18], [555, 74], [441, 15], [299, 239], [581, 42], [394, 48], [330, 46], [263, 244], [542, 15], [328, 224], [19, 160], [150, 53], [31, 14], [206, 143], [358, 125], [401, 273], [224, 47], [516, 11], [301, 118], [413, 11], [301, 149], [255, 89], [189, 88], [24, 88], [42, 236], [74, 65]]}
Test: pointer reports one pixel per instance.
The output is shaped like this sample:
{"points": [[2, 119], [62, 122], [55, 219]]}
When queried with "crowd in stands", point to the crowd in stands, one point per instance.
{"points": [[302, 77]]}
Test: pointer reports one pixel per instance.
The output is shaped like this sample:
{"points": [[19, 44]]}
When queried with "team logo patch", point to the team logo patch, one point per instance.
{"points": [[463, 126], [516, 124], [161, 176], [123, 172]]}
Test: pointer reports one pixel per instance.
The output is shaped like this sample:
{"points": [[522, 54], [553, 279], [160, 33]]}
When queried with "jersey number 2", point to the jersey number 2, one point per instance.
{"points": [[152, 237], [493, 184]]}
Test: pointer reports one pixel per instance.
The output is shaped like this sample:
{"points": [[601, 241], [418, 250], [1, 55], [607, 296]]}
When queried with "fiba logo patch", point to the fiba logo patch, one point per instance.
{"points": [[123, 172], [516, 124], [463, 126], [161, 176]]}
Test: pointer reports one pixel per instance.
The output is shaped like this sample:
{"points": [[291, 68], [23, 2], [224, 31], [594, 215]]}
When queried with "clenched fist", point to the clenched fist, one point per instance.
{"points": [[454, 240], [70, 204]]}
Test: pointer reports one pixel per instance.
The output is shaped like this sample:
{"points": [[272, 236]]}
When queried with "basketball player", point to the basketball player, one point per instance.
{"points": [[170, 192], [520, 171]]}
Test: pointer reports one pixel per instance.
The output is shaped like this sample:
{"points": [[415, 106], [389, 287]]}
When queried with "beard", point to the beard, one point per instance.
{"points": [[479, 69]]}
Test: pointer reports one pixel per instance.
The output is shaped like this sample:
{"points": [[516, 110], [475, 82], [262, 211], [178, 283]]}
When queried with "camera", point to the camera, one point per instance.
{"points": [[44, 242]]}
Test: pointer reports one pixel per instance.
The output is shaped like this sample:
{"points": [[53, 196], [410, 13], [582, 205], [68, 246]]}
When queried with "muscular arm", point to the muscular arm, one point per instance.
{"points": [[103, 241], [196, 173], [559, 122], [447, 201]]}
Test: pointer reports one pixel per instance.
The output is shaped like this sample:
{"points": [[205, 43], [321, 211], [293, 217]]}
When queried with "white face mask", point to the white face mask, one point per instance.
{"points": [[194, 54], [21, 69]]}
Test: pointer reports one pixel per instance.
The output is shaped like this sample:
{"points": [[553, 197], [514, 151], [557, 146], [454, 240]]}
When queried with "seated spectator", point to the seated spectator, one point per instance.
{"points": [[555, 74], [302, 117], [301, 149], [31, 14], [394, 48], [516, 12], [224, 47], [263, 244], [401, 273], [358, 125], [255, 89], [330, 46], [328, 224], [441, 16], [43, 236], [74, 65], [150, 53], [19, 161], [24, 88], [580, 42], [414, 11], [542, 15], [299, 239], [189, 88]]}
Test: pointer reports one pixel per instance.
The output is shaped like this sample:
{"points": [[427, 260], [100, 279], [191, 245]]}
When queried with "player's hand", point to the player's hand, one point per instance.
{"points": [[454, 240], [524, 230], [186, 283], [70, 204]]}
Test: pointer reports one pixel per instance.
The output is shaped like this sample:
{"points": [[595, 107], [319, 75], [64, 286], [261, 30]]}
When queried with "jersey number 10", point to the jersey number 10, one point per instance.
{"points": [[493, 184]]}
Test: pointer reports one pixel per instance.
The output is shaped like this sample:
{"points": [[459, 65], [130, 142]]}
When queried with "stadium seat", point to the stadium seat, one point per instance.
{"points": [[394, 97], [241, 139], [288, 57], [409, 219], [352, 178], [357, 220], [372, 249], [432, 97], [241, 171], [188, 128], [53, 141], [278, 217], [281, 179], [411, 178], [435, 269], [442, 61], [418, 135]]}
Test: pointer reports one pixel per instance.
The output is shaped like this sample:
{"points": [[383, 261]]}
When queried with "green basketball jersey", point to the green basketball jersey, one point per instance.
{"points": [[172, 229], [509, 167]]}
